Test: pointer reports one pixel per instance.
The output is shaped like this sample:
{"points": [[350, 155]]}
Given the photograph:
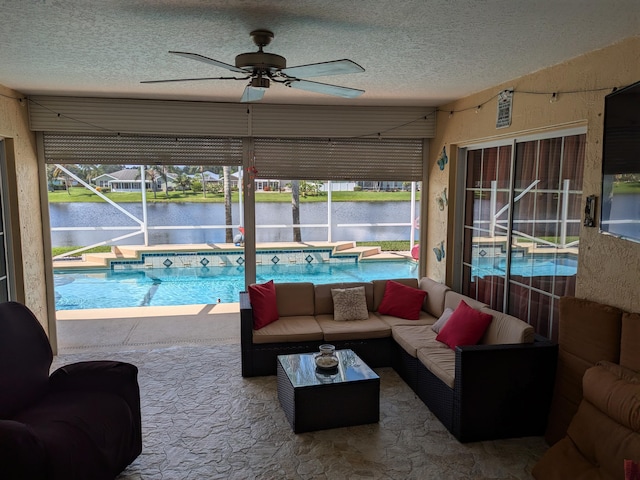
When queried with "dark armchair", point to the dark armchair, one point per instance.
{"points": [[81, 422]]}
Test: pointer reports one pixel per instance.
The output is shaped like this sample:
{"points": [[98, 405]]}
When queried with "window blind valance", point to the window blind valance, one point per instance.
{"points": [[141, 149], [339, 159]]}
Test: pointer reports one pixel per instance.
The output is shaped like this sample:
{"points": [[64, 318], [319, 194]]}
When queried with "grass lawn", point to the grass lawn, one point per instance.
{"points": [[626, 187], [77, 194]]}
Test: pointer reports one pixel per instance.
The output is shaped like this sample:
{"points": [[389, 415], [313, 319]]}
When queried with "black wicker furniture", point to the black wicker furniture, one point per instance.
{"points": [[499, 388], [315, 399]]}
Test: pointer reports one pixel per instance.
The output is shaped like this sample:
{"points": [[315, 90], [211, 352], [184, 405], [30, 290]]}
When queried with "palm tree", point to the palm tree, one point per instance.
{"points": [[89, 172], [204, 182], [183, 181], [295, 209], [153, 175], [226, 177], [53, 173], [161, 172]]}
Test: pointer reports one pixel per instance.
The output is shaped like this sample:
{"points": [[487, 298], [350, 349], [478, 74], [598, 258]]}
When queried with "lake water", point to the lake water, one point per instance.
{"points": [[167, 214]]}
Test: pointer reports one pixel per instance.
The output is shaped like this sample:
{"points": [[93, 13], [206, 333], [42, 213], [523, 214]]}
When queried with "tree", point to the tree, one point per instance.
{"points": [[204, 182], [152, 175], [89, 172], [161, 172], [183, 181], [295, 209], [55, 173], [226, 177]]}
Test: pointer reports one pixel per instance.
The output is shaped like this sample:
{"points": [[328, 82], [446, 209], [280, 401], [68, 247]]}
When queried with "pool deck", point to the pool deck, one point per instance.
{"points": [[134, 252], [147, 328]]}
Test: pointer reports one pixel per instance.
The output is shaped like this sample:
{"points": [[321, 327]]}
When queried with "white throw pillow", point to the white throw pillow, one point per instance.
{"points": [[349, 304], [442, 320]]}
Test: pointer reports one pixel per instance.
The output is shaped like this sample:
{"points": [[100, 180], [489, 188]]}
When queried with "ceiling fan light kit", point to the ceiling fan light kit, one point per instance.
{"points": [[260, 68]]}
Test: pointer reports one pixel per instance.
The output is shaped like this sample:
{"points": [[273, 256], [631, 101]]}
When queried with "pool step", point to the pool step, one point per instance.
{"points": [[133, 252]]}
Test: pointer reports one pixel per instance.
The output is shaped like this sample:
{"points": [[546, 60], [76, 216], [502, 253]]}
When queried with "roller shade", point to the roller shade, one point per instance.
{"points": [[339, 159], [141, 149]]}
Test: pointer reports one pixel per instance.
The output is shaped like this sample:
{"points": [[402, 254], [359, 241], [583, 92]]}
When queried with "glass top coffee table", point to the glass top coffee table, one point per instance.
{"points": [[315, 399]]}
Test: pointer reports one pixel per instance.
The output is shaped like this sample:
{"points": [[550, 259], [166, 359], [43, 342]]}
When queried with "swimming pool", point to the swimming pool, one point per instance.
{"points": [[539, 265], [77, 290]]}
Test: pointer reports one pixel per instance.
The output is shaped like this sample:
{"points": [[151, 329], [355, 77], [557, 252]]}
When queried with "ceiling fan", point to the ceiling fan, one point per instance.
{"points": [[261, 68]]}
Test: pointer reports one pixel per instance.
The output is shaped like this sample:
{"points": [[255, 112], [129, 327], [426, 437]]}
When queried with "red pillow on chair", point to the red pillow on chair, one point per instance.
{"points": [[263, 303], [402, 301], [465, 326]]}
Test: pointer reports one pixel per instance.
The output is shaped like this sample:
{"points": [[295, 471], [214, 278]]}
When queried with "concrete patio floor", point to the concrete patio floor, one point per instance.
{"points": [[144, 328]]}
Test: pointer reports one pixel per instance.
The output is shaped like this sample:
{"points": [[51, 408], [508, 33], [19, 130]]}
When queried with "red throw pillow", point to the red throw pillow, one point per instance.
{"points": [[465, 326], [402, 301], [263, 303]]}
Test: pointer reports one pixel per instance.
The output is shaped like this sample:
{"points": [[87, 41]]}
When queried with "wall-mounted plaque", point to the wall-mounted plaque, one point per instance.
{"points": [[505, 102]]}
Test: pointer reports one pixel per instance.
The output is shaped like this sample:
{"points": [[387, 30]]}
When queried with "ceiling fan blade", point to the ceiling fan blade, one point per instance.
{"points": [[210, 61], [335, 67], [194, 79], [252, 94], [325, 88]]}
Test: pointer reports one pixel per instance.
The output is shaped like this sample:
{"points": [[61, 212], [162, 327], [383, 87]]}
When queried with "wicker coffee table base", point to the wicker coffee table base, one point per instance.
{"points": [[319, 407]]}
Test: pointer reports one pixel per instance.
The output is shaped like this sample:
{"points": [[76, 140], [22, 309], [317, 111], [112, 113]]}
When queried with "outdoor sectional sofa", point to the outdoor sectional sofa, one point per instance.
{"points": [[500, 387]]}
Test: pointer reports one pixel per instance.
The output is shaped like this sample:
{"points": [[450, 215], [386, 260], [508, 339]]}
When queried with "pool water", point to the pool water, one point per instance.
{"points": [[77, 290], [529, 266]]}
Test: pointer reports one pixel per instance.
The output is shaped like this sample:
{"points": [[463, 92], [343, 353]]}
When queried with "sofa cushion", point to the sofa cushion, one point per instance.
{"points": [[423, 319], [506, 329], [563, 461], [444, 318], [452, 300], [373, 327], [589, 330], [303, 328], [402, 301], [465, 327], [630, 343], [379, 287], [296, 298], [614, 390], [324, 299], [349, 304], [441, 362], [436, 292], [604, 443], [587, 333], [603, 433], [263, 303], [414, 337]]}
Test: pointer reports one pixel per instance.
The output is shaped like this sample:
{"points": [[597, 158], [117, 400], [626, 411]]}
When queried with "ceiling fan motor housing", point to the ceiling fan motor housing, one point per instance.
{"points": [[260, 82], [261, 61]]}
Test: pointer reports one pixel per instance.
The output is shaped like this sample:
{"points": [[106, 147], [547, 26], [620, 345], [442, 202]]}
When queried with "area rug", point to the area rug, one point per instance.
{"points": [[202, 420]]}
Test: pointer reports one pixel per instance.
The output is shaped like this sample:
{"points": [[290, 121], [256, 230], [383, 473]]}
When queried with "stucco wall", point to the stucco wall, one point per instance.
{"points": [[608, 267], [25, 197]]}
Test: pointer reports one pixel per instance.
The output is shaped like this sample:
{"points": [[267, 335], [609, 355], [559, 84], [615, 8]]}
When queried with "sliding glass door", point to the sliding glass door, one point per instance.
{"points": [[521, 226], [6, 290]]}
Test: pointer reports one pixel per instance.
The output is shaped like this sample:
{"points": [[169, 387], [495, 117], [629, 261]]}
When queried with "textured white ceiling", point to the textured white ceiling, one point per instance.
{"points": [[415, 52]]}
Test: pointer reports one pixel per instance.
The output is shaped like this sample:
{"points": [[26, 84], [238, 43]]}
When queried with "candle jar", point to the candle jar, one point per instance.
{"points": [[327, 359]]}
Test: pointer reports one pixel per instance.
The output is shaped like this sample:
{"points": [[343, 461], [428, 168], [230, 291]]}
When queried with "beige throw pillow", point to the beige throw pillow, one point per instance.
{"points": [[349, 304], [444, 318]]}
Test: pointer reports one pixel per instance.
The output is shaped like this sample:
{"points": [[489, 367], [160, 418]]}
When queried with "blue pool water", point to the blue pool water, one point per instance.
{"points": [[529, 266], [76, 290]]}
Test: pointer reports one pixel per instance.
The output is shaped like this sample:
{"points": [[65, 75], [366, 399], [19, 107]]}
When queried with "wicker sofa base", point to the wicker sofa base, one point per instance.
{"points": [[500, 391]]}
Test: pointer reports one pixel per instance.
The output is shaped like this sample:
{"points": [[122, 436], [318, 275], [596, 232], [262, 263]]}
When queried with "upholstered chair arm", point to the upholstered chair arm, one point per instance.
{"points": [[22, 455], [107, 376]]}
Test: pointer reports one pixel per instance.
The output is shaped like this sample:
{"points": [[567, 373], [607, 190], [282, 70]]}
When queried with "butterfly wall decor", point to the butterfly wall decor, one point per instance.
{"points": [[439, 251], [442, 200], [443, 160]]}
